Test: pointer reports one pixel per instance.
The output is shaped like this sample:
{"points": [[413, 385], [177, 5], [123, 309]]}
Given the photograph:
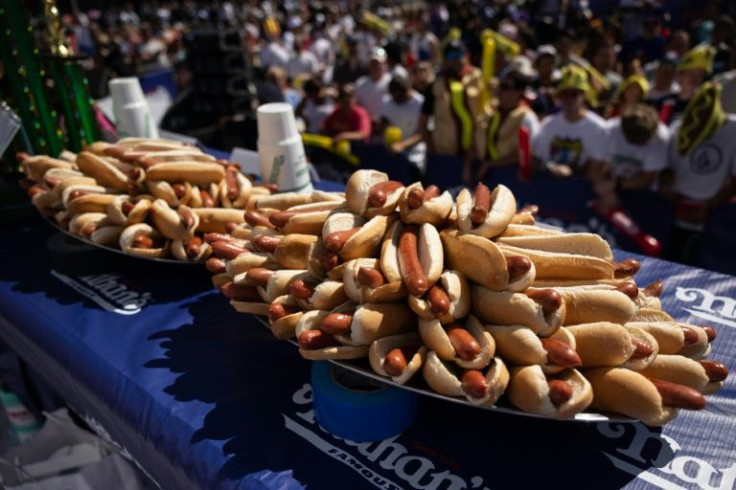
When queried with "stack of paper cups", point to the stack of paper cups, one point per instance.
{"points": [[280, 149], [130, 109]]}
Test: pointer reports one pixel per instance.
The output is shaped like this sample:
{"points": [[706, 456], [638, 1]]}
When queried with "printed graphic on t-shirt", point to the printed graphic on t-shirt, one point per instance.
{"points": [[705, 159], [626, 166], [566, 151]]}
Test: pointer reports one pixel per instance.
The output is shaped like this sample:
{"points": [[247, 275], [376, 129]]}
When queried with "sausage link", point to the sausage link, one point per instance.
{"points": [[439, 300], [267, 243], [627, 268], [280, 218], [395, 362], [316, 339], [336, 240], [187, 217], [328, 261], [227, 250], [337, 323], [302, 289], [710, 332], [642, 350], [37, 189], [678, 396], [254, 218], [370, 277], [414, 278], [465, 345], [277, 311], [240, 292], [415, 198], [560, 353], [213, 237], [194, 247], [216, 265], [560, 391], [76, 194], [628, 288], [481, 204], [127, 207], [549, 299], [716, 371], [180, 190], [473, 383], [231, 182], [654, 289], [691, 336], [378, 194], [88, 229], [142, 241], [431, 192], [258, 276]]}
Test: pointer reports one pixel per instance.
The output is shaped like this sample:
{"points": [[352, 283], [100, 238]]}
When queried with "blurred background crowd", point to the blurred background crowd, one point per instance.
{"points": [[631, 94]]}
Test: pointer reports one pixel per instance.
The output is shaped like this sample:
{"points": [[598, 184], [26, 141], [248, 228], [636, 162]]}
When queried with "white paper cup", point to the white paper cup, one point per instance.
{"points": [[280, 149], [124, 91], [136, 121], [276, 123]]}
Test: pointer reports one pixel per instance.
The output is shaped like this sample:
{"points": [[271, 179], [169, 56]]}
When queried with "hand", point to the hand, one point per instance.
{"points": [[558, 169], [396, 147]]}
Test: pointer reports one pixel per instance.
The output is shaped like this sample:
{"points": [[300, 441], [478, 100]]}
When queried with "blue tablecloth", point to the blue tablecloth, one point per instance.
{"points": [[203, 397]]}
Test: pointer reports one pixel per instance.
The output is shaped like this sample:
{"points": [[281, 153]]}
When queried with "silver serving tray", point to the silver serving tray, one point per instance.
{"points": [[417, 385], [117, 250]]}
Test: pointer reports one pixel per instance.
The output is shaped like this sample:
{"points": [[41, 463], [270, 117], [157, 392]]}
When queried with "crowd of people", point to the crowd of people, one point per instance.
{"points": [[632, 94]]}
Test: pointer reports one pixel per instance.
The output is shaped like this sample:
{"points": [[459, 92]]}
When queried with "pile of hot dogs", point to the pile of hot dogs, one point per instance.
{"points": [[150, 198], [470, 295]]}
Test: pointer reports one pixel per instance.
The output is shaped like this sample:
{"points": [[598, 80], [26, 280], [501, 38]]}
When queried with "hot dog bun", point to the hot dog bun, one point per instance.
{"points": [[406, 341], [529, 390]]}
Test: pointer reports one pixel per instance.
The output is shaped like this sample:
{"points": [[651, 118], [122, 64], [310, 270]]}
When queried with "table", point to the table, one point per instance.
{"points": [[203, 397]]}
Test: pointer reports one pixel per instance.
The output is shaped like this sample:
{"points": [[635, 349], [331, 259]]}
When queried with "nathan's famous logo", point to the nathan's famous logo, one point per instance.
{"points": [[107, 291], [367, 459], [657, 459], [565, 150], [708, 306]]}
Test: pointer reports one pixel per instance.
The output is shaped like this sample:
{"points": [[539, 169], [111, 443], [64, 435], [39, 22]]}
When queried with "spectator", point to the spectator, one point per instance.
{"points": [[513, 112], [547, 77], [702, 157], [370, 89], [403, 109], [637, 153], [348, 121], [274, 54], [604, 60], [664, 81], [303, 62], [454, 102], [721, 39], [276, 75], [422, 77], [350, 68], [649, 46], [394, 60], [573, 140], [692, 71], [316, 105], [424, 44], [632, 91], [678, 44], [728, 95]]}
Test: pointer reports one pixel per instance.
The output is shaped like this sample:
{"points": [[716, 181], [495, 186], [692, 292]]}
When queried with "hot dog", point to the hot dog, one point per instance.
{"points": [[125, 210], [610, 344], [217, 219], [369, 193], [193, 249], [365, 282], [201, 174], [632, 394], [588, 304], [179, 224], [397, 356], [419, 205], [466, 343], [566, 266], [705, 376], [560, 396], [543, 311], [520, 346], [480, 387], [478, 259], [317, 345], [143, 240], [317, 295], [416, 252], [351, 236], [371, 321], [521, 272], [585, 244], [652, 315], [448, 300], [483, 212], [103, 171], [305, 219]]}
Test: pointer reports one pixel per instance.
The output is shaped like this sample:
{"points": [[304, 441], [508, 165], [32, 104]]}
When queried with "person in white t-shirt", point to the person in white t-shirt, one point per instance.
{"points": [[371, 89], [573, 140], [702, 158], [303, 62], [273, 54], [636, 153], [402, 108]]}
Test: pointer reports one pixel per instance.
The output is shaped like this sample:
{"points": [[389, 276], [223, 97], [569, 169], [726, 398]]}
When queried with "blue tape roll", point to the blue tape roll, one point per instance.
{"points": [[358, 408]]}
